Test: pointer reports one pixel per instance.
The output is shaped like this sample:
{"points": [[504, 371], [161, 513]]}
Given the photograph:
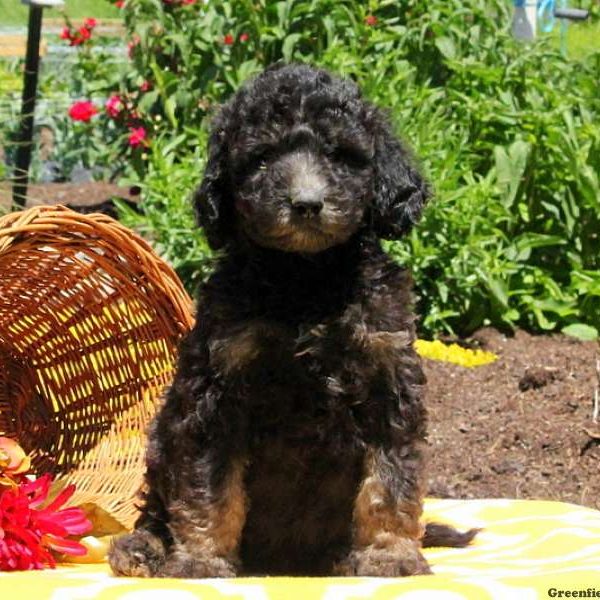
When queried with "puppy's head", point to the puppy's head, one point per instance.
{"points": [[299, 162]]}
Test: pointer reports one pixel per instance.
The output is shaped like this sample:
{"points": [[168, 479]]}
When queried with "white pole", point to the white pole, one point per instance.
{"points": [[524, 25]]}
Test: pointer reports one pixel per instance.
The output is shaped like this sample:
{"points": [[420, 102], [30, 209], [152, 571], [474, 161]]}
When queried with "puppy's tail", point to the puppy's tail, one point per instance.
{"points": [[438, 534]]}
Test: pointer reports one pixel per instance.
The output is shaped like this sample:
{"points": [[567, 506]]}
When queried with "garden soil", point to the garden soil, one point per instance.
{"points": [[520, 427]]}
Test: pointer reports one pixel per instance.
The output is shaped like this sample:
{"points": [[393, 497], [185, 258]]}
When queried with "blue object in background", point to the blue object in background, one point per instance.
{"points": [[546, 17]]}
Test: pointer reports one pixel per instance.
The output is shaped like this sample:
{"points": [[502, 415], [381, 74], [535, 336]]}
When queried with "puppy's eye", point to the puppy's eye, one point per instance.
{"points": [[353, 157]]}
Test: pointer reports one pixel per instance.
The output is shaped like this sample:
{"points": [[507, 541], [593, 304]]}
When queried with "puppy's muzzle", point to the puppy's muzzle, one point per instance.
{"points": [[308, 186]]}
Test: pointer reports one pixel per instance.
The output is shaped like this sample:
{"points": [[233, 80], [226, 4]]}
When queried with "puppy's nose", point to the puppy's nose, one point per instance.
{"points": [[307, 206]]}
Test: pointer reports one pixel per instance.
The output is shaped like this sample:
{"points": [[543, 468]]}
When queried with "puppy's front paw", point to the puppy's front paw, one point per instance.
{"points": [[400, 559], [181, 565], [138, 554]]}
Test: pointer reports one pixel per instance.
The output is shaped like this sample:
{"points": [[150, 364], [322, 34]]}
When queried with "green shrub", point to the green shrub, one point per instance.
{"points": [[508, 133], [168, 219]]}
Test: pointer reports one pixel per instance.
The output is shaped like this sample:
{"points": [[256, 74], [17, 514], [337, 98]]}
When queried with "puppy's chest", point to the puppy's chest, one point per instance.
{"points": [[278, 352]]}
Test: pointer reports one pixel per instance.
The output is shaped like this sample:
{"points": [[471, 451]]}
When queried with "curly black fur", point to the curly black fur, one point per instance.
{"points": [[291, 439]]}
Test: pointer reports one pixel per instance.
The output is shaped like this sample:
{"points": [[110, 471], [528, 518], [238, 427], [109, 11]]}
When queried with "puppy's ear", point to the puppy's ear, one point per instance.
{"points": [[400, 192], [212, 200]]}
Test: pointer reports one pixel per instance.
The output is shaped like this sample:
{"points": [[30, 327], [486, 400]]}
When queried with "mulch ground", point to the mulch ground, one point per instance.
{"points": [[520, 427]]}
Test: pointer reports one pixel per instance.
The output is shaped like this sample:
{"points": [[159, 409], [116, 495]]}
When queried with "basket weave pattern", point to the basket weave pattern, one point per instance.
{"points": [[90, 319]]}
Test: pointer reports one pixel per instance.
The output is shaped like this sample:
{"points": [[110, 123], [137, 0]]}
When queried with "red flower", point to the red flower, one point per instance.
{"points": [[114, 106], [120, 3], [244, 37], [228, 40], [81, 35], [188, 1], [82, 110], [137, 137], [84, 34], [371, 20], [28, 532], [146, 86]]}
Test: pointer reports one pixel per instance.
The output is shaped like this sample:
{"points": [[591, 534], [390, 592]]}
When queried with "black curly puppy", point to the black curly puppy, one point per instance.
{"points": [[291, 440]]}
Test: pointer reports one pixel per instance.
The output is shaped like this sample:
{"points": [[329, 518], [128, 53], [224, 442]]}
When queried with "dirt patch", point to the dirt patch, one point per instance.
{"points": [[520, 427], [78, 194]]}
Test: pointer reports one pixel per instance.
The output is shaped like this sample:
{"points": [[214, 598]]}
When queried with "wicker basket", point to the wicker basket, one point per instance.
{"points": [[90, 319]]}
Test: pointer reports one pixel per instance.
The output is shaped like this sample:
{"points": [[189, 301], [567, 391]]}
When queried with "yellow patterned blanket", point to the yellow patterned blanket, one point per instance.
{"points": [[528, 550]]}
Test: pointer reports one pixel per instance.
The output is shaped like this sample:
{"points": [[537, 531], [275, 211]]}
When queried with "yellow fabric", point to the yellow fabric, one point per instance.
{"points": [[526, 549]]}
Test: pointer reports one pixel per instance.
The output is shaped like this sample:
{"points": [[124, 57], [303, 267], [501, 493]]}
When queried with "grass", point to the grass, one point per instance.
{"points": [[15, 14], [583, 39]]}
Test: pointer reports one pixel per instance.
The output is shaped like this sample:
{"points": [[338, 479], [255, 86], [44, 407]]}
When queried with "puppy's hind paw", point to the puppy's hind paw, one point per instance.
{"points": [[138, 554], [401, 559]]}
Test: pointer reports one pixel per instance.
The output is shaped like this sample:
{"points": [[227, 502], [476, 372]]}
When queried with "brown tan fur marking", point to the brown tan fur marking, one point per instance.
{"points": [[213, 529], [387, 529]]}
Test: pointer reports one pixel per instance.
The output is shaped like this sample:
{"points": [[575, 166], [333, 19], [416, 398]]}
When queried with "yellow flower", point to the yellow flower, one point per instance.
{"points": [[453, 353], [13, 461]]}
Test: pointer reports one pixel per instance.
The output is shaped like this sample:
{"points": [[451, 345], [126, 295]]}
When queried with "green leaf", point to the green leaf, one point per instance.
{"points": [[446, 46], [289, 44], [581, 331], [510, 168], [170, 105]]}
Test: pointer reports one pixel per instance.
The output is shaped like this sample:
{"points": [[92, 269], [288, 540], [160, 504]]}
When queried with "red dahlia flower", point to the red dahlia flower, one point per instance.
{"points": [[83, 34], [137, 137], [228, 39], [28, 531], [82, 111]]}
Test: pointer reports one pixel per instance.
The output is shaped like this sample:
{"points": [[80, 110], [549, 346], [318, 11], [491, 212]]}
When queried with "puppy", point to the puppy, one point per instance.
{"points": [[291, 440]]}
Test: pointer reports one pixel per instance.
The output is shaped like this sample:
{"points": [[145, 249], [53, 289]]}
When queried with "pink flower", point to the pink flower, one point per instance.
{"points": [[137, 137], [114, 106], [244, 37], [120, 3], [135, 40], [228, 39], [29, 532], [146, 86], [90, 23], [371, 20], [188, 1], [82, 110]]}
